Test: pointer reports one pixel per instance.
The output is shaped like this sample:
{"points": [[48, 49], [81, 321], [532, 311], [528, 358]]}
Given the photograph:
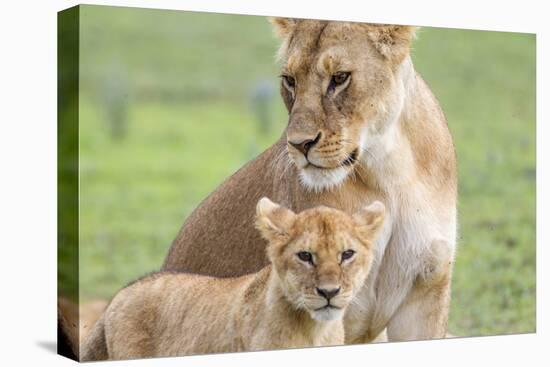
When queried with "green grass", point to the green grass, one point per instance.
{"points": [[188, 78], [135, 194], [486, 84]]}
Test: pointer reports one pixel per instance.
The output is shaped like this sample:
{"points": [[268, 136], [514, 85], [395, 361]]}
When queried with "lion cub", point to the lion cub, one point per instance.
{"points": [[319, 259]]}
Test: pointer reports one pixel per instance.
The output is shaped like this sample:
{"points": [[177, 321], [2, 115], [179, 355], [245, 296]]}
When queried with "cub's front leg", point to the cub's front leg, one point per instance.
{"points": [[424, 312]]}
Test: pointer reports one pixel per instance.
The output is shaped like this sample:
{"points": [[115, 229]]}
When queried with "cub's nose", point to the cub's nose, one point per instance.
{"points": [[328, 293], [305, 145]]}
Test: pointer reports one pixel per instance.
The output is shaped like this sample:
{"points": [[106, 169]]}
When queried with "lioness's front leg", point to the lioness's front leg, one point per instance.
{"points": [[424, 312]]}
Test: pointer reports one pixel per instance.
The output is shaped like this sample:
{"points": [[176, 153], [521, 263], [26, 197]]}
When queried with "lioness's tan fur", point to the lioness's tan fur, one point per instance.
{"points": [[405, 158], [170, 314]]}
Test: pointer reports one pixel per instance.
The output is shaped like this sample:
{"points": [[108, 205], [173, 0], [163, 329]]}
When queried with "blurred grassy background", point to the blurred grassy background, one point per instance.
{"points": [[174, 102]]}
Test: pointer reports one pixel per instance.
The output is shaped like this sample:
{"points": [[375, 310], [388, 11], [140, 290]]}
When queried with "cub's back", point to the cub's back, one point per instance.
{"points": [[174, 313]]}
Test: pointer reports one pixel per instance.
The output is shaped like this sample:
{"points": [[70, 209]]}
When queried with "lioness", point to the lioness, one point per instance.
{"points": [[363, 126], [319, 259]]}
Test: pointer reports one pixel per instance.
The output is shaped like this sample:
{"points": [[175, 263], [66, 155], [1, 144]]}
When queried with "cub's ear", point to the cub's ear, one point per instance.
{"points": [[283, 26], [392, 41], [273, 221], [370, 219]]}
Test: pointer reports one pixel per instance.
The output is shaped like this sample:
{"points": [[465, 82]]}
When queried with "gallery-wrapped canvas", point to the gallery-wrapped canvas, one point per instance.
{"points": [[233, 183]]}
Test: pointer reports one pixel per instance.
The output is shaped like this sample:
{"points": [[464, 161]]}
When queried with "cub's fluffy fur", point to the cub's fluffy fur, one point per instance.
{"points": [[319, 259]]}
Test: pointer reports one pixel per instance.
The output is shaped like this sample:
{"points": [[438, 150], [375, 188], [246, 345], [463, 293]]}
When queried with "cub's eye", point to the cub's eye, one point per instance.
{"points": [[289, 81], [340, 78], [305, 256], [346, 255]]}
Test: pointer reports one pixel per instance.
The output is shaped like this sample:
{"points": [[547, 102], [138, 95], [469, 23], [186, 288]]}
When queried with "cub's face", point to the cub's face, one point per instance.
{"points": [[321, 256], [338, 82]]}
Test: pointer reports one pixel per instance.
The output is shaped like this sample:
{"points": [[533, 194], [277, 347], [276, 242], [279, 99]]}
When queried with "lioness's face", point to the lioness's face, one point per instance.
{"points": [[321, 256], [340, 90]]}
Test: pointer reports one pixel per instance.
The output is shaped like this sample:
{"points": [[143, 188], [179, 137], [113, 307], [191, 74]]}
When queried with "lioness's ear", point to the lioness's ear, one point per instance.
{"points": [[283, 26], [392, 41], [370, 219], [273, 221]]}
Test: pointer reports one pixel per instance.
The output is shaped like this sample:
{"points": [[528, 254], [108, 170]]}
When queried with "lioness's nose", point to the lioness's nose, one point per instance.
{"points": [[305, 145], [328, 293]]}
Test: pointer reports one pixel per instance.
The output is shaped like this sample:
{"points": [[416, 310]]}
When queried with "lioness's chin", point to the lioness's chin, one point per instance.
{"points": [[327, 314], [319, 179]]}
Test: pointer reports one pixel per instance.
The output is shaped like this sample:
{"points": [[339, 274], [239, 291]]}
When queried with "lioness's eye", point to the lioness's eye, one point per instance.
{"points": [[305, 256], [347, 254], [289, 81], [339, 78]]}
